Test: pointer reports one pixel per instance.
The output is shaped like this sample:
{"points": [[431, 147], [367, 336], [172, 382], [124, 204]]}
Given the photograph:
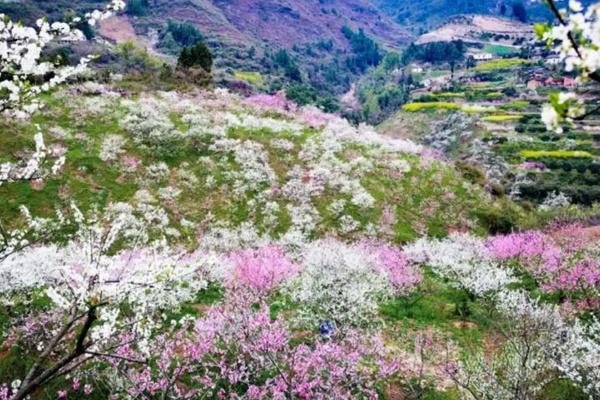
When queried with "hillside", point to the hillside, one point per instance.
{"points": [[214, 221], [187, 212], [219, 160], [318, 46], [488, 117], [427, 15], [479, 29], [280, 23]]}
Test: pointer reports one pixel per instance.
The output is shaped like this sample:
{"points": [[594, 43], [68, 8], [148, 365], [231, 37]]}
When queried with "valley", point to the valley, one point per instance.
{"points": [[320, 199]]}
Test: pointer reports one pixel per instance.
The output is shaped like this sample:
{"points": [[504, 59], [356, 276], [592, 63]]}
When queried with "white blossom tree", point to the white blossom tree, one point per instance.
{"points": [[23, 72], [108, 288], [36, 166]]}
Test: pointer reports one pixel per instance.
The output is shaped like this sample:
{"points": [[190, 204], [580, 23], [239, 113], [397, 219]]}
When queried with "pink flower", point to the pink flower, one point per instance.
{"points": [[528, 245], [558, 260], [87, 389], [130, 163], [316, 118], [4, 392], [58, 150], [533, 165], [277, 102], [392, 262], [262, 269]]}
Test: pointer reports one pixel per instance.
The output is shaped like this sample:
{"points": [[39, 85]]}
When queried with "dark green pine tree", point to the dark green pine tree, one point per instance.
{"points": [[196, 56]]}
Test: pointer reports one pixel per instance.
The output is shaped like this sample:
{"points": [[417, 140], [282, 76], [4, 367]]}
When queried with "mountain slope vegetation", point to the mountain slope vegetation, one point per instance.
{"points": [[183, 217]]}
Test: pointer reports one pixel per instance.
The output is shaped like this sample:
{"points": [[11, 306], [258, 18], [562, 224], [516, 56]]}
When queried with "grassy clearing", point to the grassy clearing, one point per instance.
{"points": [[499, 50]]}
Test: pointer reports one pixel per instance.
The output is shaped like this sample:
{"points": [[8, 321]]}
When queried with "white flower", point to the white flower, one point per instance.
{"points": [[339, 283], [575, 6], [551, 118], [112, 147]]}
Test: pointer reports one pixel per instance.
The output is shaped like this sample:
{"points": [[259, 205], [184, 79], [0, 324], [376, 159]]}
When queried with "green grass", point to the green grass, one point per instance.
{"points": [[477, 109], [437, 305], [499, 50], [451, 95], [446, 106], [432, 105], [516, 105]]}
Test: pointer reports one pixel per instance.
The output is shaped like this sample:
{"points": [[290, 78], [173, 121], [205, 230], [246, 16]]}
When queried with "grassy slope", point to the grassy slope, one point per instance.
{"points": [[420, 199]]}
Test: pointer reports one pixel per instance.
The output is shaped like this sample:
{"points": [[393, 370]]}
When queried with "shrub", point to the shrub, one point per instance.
{"points": [[471, 173], [301, 94], [137, 7], [137, 58], [184, 33]]}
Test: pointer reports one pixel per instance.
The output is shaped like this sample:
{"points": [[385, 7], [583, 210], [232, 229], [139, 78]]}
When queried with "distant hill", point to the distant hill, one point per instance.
{"points": [[422, 16], [281, 23], [248, 35], [477, 28]]}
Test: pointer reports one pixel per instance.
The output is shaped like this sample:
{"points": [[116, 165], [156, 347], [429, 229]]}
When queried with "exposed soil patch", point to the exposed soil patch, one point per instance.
{"points": [[118, 29], [470, 28]]}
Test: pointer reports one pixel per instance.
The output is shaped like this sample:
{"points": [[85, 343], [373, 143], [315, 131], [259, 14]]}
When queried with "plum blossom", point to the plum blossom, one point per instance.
{"points": [[345, 283], [34, 168], [575, 39], [464, 261], [88, 283]]}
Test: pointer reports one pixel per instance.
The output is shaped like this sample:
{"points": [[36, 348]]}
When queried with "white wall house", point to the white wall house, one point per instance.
{"points": [[483, 56]]}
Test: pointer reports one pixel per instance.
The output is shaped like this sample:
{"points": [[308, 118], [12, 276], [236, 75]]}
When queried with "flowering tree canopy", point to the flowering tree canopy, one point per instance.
{"points": [[97, 292]]}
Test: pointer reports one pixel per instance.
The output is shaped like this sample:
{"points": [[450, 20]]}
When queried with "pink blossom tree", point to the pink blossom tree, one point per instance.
{"points": [[235, 352], [561, 260], [260, 270]]}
